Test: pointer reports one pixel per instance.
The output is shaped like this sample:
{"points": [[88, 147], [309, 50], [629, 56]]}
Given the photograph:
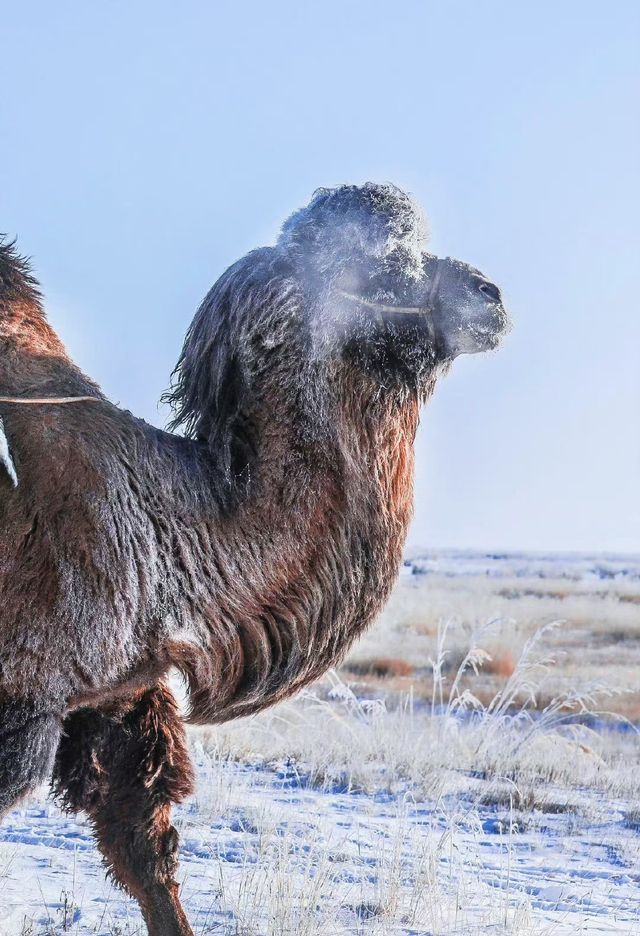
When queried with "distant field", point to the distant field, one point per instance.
{"points": [[473, 768], [497, 602]]}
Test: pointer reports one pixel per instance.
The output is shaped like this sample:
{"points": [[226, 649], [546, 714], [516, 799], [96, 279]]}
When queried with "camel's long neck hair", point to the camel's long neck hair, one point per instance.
{"points": [[314, 477]]}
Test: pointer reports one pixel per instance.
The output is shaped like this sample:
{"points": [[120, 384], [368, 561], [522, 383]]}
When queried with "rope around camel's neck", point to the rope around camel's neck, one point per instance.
{"points": [[46, 400], [5, 454]]}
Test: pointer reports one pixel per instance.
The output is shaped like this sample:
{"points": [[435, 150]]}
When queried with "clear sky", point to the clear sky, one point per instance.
{"points": [[145, 146]]}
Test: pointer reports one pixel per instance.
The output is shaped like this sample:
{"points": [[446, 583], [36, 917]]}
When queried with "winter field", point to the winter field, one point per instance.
{"points": [[473, 768]]}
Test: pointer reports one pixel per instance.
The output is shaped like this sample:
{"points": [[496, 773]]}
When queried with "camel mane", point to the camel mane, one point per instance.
{"points": [[215, 378]]}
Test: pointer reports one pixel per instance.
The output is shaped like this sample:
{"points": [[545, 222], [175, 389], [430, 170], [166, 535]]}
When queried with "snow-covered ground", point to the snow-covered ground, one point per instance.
{"points": [[365, 809], [281, 857], [573, 566]]}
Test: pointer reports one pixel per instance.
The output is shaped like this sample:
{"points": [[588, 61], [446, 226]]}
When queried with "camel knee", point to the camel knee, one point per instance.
{"points": [[141, 850], [28, 741], [136, 750]]}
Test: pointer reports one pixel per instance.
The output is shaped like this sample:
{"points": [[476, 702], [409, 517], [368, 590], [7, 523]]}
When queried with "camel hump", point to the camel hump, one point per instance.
{"points": [[16, 278]]}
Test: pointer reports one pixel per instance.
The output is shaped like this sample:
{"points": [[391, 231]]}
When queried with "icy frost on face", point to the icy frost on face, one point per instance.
{"points": [[358, 253], [476, 327], [472, 317]]}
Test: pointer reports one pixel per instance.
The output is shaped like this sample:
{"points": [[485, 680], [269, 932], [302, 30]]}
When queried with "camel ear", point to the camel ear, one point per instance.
{"points": [[6, 462]]}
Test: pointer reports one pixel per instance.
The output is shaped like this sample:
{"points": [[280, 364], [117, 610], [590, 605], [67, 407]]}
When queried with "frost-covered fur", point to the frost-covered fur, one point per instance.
{"points": [[359, 222], [249, 554]]}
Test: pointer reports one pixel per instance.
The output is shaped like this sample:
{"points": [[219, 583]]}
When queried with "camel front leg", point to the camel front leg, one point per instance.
{"points": [[125, 767]]}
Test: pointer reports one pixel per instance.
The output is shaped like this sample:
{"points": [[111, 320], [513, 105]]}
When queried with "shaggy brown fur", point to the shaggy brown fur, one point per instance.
{"points": [[249, 556], [124, 766]]}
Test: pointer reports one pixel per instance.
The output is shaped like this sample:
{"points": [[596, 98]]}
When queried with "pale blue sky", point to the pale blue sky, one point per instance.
{"points": [[145, 146]]}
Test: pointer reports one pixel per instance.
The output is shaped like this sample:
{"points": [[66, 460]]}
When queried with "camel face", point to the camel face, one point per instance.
{"points": [[377, 296], [466, 308], [349, 282]]}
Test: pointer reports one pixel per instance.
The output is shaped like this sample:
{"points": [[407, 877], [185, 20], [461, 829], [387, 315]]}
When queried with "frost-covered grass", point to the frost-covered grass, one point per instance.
{"points": [[440, 801], [598, 601]]}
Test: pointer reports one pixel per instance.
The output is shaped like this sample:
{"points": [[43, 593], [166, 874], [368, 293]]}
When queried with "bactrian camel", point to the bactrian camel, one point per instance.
{"points": [[247, 552]]}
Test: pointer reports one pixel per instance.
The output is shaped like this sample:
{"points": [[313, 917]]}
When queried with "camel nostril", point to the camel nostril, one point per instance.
{"points": [[490, 291]]}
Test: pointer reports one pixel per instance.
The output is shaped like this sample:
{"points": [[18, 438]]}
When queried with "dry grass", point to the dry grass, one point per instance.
{"points": [[382, 667], [338, 739], [599, 640]]}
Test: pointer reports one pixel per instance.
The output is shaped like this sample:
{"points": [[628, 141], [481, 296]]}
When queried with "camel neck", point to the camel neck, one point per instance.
{"points": [[301, 569]]}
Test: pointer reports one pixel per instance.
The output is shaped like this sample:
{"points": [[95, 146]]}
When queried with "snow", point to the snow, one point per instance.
{"points": [[572, 566], [347, 859]]}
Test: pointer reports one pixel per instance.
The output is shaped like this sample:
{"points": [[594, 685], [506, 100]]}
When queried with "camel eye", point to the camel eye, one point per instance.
{"points": [[490, 291]]}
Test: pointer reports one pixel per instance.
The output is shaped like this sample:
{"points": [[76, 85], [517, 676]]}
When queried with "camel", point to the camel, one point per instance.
{"points": [[247, 551]]}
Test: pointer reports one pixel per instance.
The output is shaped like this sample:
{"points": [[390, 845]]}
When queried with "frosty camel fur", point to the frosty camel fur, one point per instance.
{"points": [[249, 553]]}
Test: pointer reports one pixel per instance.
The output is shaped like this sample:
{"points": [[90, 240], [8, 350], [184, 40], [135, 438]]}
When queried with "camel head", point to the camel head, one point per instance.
{"points": [[348, 288], [377, 295]]}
